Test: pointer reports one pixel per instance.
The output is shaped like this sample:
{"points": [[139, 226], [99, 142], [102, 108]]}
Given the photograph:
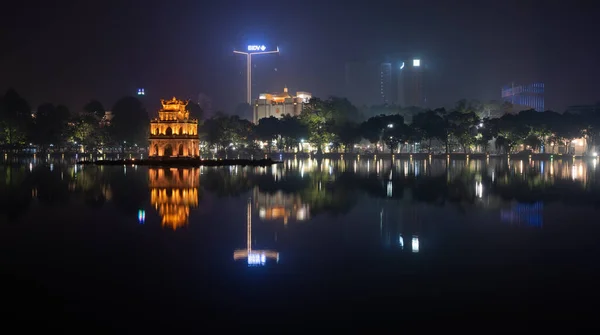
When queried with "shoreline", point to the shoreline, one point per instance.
{"points": [[184, 162]]}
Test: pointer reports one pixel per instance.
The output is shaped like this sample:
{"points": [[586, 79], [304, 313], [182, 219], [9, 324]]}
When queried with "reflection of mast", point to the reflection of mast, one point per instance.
{"points": [[254, 257]]}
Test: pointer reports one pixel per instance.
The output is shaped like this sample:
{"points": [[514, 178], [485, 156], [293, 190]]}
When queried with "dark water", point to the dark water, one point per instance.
{"points": [[308, 242]]}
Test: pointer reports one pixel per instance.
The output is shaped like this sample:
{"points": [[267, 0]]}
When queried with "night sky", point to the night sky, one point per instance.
{"points": [[71, 51]]}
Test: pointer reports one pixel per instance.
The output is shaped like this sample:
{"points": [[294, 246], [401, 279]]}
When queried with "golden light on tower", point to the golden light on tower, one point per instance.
{"points": [[173, 133], [173, 192]]}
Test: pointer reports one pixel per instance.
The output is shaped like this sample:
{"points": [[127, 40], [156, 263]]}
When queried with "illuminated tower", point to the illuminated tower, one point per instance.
{"points": [[173, 133], [254, 257]]}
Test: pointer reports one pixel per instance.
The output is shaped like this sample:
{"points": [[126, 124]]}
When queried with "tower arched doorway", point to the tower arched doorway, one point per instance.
{"points": [[169, 131], [180, 150], [168, 152], [180, 130], [156, 150]]}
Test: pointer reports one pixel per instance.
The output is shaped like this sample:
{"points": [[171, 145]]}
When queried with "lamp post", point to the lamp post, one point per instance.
{"points": [[252, 50]]}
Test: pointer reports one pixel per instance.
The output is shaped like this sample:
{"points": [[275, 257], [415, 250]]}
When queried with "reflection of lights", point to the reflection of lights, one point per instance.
{"points": [[256, 258], [302, 214], [595, 154], [521, 167], [415, 244], [389, 189], [30, 167], [401, 242], [479, 189], [262, 213], [530, 214], [141, 216]]}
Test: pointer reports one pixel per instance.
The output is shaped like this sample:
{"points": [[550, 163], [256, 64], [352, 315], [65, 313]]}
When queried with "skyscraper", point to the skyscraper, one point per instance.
{"points": [[531, 95], [398, 80], [411, 84]]}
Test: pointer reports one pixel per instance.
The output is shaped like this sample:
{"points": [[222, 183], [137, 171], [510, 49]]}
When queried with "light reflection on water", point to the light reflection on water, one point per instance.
{"points": [[400, 196]]}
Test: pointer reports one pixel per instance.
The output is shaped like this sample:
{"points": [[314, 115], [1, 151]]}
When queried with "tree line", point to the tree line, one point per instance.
{"points": [[469, 126], [57, 126], [332, 124]]}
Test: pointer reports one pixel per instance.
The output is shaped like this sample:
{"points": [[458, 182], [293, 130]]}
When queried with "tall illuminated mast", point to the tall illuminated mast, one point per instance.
{"points": [[252, 50]]}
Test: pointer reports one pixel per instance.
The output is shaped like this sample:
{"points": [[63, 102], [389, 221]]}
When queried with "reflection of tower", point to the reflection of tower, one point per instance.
{"points": [[280, 206], [255, 257], [173, 192]]}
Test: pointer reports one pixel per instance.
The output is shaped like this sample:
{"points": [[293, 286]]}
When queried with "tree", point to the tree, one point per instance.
{"points": [[86, 131], [511, 132], [94, 107], [244, 111], [396, 134], [50, 125], [292, 131], [195, 110], [462, 127], [486, 132], [348, 134], [342, 110], [15, 119], [566, 128], [317, 116], [211, 131], [268, 130], [429, 125], [372, 128], [130, 122]]}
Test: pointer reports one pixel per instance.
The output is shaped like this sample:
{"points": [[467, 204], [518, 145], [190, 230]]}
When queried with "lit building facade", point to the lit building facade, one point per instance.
{"points": [[531, 95], [173, 192], [173, 133], [279, 104]]}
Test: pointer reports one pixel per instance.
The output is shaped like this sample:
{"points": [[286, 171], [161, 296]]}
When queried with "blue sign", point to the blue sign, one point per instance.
{"points": [[257, 48]]}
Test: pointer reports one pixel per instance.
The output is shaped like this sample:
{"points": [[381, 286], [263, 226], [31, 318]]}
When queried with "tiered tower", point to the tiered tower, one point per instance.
{"points": [[173, 133]]}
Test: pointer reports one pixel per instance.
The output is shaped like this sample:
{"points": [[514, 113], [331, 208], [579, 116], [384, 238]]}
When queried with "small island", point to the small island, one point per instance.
{"points": [[184, 162]]}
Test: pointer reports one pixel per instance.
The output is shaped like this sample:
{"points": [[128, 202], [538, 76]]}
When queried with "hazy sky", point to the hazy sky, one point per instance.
{"points": [[72, 51]]}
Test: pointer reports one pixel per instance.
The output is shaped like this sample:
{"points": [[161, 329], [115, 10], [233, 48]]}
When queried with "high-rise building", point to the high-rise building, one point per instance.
{"points": [[397, 79], [530, 95], [411, 83]]}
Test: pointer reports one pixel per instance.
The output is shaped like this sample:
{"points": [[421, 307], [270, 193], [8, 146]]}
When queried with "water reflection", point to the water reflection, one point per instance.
{"points": [[172, 193], [253, 256], [516, 190]]}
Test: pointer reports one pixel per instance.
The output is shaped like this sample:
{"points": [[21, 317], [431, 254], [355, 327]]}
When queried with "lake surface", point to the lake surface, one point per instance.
{"points": [[342, 242]]}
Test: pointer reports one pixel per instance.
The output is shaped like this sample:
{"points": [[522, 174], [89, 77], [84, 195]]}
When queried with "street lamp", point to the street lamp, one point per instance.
{"points": [[252, 50]]}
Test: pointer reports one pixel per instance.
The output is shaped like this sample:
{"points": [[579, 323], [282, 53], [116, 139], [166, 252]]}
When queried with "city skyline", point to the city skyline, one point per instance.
{"points": [[68, 58]]}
